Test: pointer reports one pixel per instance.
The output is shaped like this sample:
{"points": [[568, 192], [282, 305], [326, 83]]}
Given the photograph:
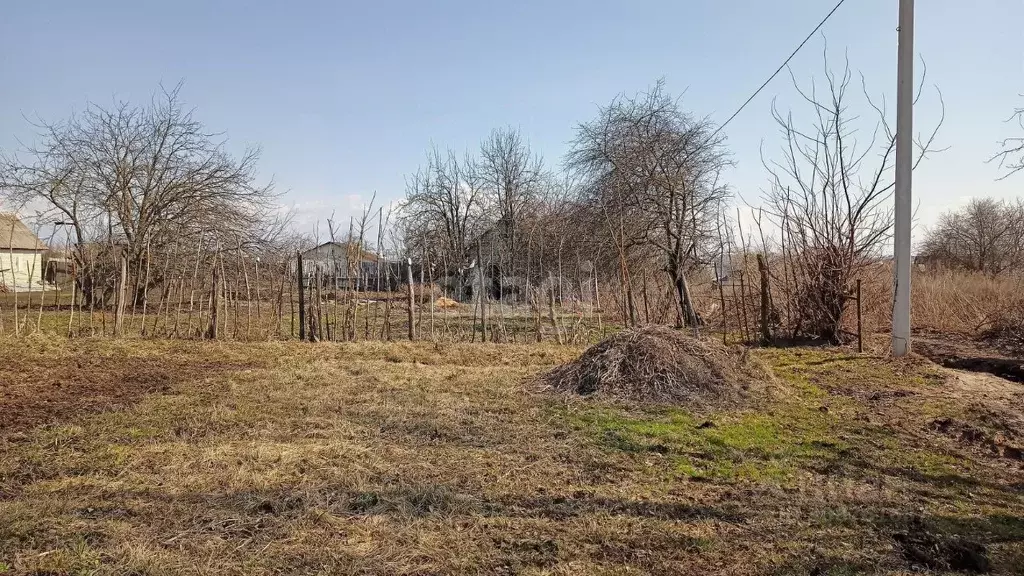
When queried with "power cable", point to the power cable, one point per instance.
{"points": [[776, 73]]}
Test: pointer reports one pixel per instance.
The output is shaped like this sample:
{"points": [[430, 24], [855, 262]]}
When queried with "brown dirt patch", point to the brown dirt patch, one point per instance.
{"points": [[962, 353], [926, 550], [38, 388], [656, 364], [999, 444]]}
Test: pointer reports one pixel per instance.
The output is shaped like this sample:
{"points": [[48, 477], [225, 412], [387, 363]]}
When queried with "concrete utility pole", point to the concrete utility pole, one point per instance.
{"points": [[904, 167]]}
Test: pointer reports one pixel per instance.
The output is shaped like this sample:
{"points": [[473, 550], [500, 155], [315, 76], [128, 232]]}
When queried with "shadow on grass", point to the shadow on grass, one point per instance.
{"points": [[557, 507], [863, 468], [836, 360], [418, 501], [988, 528]]}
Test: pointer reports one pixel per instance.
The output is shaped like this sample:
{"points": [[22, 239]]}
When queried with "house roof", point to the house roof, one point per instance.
{"points": [[367, 255], [15, 235]]}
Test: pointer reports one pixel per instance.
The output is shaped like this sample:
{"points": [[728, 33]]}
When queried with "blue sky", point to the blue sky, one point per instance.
{"points": [[346, 97]]}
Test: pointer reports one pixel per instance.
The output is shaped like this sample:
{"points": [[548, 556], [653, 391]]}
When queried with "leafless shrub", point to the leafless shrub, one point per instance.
{"points": [[944, 300], [829, 199]]}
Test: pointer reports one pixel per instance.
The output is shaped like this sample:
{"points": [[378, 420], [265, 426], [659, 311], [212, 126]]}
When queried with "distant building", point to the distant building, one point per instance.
{"points": [[498, 283], [58, 266], [21, 254], [330, 261]]}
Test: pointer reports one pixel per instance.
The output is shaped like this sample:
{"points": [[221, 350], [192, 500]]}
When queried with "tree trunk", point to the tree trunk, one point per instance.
{"points": [[120, 296], [686, 307], [145, 292]]}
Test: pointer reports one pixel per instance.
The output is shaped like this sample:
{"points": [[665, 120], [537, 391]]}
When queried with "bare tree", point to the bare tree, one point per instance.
{"points": [[443, 209], [985, 236], [53, 176], [512, 175], [654, 171], [146, 176], [1011, 157], [829, 198]]}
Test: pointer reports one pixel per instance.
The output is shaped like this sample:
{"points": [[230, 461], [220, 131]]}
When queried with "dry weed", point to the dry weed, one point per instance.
{"points": [[411, 458]]}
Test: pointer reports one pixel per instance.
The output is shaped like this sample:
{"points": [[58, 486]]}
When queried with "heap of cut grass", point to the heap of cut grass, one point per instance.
{"points": [[655, 364]]}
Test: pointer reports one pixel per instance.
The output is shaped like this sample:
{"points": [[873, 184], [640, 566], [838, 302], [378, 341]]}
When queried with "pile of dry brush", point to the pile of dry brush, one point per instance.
{"points": [[658, 364]]}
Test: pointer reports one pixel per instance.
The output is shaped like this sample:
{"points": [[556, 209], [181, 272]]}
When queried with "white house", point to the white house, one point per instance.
{"points": [[21, 254]]}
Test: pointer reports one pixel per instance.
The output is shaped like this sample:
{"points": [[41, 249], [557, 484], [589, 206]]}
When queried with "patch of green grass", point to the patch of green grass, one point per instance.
{"points": [[933, 464], [815, 423], [724, 446], [817, 370]]}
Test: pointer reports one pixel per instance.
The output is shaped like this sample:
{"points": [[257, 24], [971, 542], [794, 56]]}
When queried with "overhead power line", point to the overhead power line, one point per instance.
{"points": [[780, 68]]}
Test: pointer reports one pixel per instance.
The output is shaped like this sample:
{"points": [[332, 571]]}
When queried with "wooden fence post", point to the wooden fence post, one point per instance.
{"points": [[211, 332], [551, 308], [412, 300], [302, 297], [120, 296], [766, 331], [483, 293], [860, 328]]}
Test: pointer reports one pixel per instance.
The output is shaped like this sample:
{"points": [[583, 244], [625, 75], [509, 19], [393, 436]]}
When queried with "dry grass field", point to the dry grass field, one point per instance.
{"points": [[177, 457]]}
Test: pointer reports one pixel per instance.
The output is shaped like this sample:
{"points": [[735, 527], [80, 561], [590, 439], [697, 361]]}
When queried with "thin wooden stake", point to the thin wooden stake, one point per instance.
{"points": [[483, 293], [302, 299], [412, 299], [743, 309], [551, 308], [860, 326], [121, 296], [725, 317]]}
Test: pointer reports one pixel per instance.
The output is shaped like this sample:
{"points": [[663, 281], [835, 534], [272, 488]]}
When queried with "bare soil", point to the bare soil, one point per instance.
{"points": [[1000, 357], [39, 386]]}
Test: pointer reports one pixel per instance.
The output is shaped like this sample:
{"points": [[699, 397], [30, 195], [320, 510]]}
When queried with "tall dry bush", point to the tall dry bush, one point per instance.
{"points": [[829, 200]]}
